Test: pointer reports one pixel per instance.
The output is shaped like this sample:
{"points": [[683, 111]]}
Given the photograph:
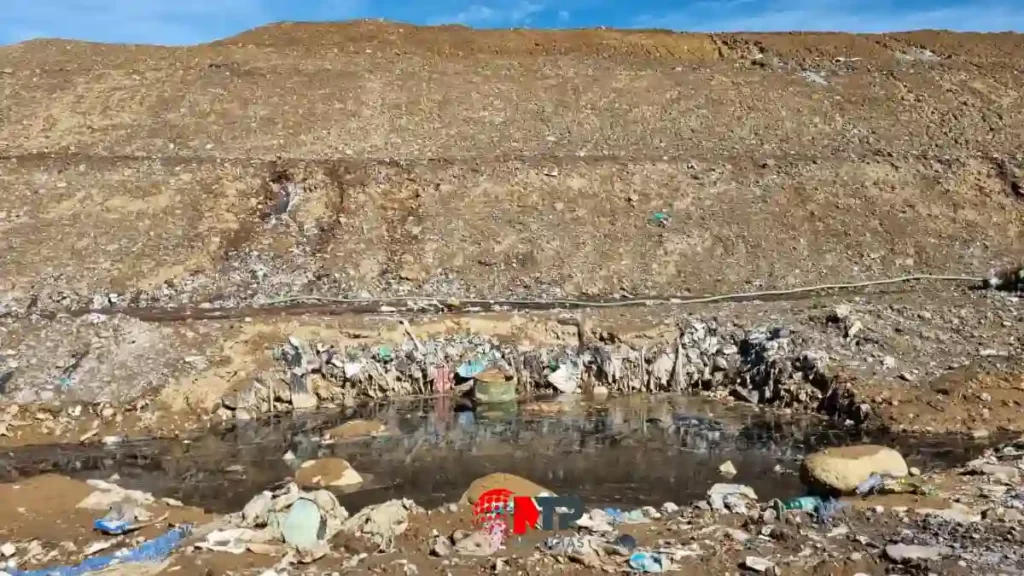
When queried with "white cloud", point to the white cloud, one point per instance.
{"points": [[836, 15], [480, 15]]}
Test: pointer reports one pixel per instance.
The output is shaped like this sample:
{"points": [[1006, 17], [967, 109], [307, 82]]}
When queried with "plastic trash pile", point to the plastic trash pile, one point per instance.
{"points": [[760, 366], [289, 522]]}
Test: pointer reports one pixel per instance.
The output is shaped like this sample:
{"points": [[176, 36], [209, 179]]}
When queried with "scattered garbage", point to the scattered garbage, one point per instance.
{"points": [[760, 366], [661, 219], [882, 484], [904, 553], [632, 517], [566, 379], [625, 542], [153, 550], [727, 469], [5, 378], [289, 519], [759, 565], [1009, 279], [125, 517], [649, 563], [469, 370], [800, 504], [735, 498], [823, 508], [108, 495], [383, 522]]}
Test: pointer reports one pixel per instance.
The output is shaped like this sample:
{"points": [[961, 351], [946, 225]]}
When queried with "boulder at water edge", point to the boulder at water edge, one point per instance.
{"points": [[842, 469], [327, 472], [517, 485]]}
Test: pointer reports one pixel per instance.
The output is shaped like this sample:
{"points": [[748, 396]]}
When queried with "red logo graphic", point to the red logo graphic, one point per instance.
{"points": [[494, 507]]}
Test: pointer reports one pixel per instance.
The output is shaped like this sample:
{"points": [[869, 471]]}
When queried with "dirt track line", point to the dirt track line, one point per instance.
{"points": [[457, 159], [294, 306]]}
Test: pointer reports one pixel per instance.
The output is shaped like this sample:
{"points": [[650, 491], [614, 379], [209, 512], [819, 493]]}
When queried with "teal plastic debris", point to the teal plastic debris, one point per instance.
{"points": [[153, 550], [660, 219], [648, 562], [470, 369], [304, 525], [385, 353], [631, 517]]}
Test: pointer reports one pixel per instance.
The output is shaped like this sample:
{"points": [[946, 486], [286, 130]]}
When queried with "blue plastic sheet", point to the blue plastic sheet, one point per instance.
{"points": [[153, 550], [468, 370], [648, 562]]}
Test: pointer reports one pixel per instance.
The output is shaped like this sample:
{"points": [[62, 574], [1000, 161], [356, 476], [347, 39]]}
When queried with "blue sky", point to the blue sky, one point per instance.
{"points": [[191, 21]]}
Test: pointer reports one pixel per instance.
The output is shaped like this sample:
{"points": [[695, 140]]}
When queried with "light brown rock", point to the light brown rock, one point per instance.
{"points": [[355, 429], [517, 485], [842, 469], [327, 472]]}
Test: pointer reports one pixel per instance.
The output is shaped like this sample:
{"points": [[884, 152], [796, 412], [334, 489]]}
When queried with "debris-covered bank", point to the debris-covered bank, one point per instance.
{"points": [[762, 366], [864, 511], [917, 360]]}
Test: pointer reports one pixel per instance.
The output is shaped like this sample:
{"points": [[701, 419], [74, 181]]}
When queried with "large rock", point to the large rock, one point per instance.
{"points": [[517, 485], [842, 469], [327, 472], [355, 429]]}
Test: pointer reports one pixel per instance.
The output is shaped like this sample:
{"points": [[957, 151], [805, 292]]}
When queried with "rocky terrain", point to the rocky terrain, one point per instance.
{"points": [[305, 217]]}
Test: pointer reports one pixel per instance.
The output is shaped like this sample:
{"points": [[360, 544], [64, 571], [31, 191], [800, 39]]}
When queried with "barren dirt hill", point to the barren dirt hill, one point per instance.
{"points": [[368, 161], [454, 162]]}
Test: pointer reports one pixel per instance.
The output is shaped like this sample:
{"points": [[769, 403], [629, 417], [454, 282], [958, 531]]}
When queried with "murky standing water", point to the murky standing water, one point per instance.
{"points": [[634, 451]]}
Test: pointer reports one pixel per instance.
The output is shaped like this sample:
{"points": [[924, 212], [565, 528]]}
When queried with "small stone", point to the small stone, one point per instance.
{"points": [[669, 508], [979, 433], [441, 547], [600, 392], [888, 362], [903, 553], [737, 535], [854, 329], [856, 556], [8, 550], [840, 313], [956, 513], [914, 471]]}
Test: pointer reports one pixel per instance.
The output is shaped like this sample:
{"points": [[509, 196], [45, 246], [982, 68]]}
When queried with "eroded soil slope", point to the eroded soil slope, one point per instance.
{"points": [[382, 158]]}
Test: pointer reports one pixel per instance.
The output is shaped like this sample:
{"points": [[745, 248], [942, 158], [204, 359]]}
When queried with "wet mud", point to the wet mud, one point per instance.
{"points": [[634, 451]]}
